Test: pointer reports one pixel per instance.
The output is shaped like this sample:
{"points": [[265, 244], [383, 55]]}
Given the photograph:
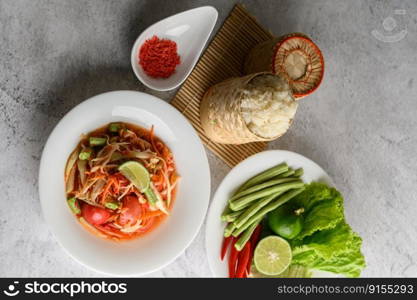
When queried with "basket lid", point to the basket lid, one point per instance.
{"points": [[298, 59]]}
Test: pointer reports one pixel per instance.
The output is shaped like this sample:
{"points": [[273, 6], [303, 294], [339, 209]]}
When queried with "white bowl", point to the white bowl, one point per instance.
{"points": [[237, 176], [172, 237], [190, 30]]}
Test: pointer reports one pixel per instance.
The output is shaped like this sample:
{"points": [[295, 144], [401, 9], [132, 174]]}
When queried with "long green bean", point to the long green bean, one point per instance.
{"points": [[265, 175], [225, 212], [245, 200], [266, 209], [289, 173], [262, 186], [241, 242], [299, 172], [232, 216], [229, 229], [254, 208], [238, 231]]}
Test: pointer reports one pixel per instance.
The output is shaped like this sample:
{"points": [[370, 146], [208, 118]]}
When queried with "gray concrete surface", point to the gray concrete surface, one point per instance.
{"points": [[360, 126]]}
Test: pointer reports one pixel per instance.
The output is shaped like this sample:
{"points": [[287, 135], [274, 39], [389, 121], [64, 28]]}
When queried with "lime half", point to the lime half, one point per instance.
{"points": [[136, 173], [272, 255]]}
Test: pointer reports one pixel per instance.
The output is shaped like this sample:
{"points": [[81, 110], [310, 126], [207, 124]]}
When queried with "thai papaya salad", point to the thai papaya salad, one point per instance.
{"points": [[120, 181], [278, 226]]}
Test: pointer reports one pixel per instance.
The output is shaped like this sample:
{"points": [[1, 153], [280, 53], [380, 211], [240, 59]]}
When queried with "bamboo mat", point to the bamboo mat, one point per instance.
{"points": [[222, 59]]}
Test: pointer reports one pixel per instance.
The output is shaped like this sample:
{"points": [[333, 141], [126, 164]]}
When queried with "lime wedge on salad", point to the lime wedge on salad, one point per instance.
{"points": [[137, 174], [272, 255]]}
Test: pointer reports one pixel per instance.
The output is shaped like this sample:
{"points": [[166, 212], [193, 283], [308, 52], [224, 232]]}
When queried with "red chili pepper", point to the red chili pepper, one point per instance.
{"points": [[243, 260], [256, 234], [248, 266], [254, 239], [233, 258], [226, 243]]}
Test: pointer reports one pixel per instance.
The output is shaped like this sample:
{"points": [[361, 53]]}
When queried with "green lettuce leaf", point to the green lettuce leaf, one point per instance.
{"points": [[326, 242], [334, 250], [323, 208]]}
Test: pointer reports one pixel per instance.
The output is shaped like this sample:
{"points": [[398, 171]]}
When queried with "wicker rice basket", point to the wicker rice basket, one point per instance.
{"points": [[220, 112], [293, 56]]}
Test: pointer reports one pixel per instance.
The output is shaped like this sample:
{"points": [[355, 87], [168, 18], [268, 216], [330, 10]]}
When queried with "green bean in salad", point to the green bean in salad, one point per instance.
{"points": [[97, 141], [114, 127], [112, 205], [85, 154], [246, 200]]}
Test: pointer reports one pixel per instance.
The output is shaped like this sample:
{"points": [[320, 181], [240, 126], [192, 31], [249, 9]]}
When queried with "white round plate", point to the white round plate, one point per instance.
{"points": [[237, 176], [190, 30], [158, 248]]}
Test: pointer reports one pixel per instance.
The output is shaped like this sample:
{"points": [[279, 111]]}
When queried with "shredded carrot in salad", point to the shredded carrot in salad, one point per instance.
{"points": [[107, 203]]}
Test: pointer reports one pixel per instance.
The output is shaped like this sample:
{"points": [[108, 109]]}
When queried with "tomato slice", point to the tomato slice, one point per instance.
{"points": [[131, 210], [95, 215]]}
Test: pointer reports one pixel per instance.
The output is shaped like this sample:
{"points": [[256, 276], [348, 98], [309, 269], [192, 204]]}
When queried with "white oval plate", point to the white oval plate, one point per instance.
{"points": [[237, 176], [190, 30], [161, 246]]}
